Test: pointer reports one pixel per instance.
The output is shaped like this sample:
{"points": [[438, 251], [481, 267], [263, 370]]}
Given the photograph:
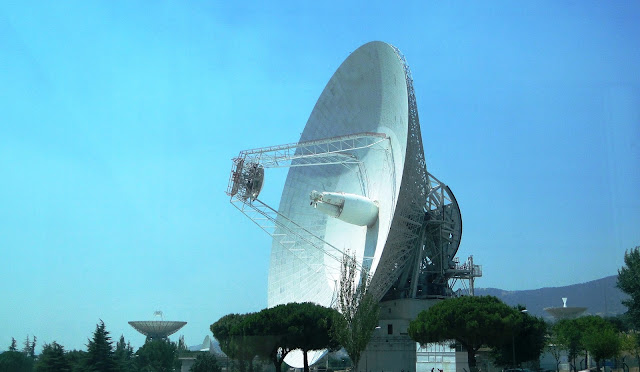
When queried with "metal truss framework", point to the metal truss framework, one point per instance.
{"points": [[290, 234], [443, 207], [406, 229], [428, 229], [333, 150], [432, 261], [327, 151], [461, 272]]}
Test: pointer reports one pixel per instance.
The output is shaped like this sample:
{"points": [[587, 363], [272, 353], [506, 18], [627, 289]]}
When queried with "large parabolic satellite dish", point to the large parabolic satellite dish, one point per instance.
{"points": [[357, 184], [157, 329]]}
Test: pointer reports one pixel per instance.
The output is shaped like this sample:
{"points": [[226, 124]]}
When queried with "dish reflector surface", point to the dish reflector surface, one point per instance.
{"points": [[157, 329], [370, 92]]}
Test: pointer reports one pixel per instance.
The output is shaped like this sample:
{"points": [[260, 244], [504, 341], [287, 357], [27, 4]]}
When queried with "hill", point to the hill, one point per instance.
{"points": [[600, 297]]}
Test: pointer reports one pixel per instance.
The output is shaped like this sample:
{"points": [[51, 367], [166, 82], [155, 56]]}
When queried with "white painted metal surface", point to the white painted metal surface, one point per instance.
{"points": [[361, 162], [354, 209], [368, 93], [158, 329]]}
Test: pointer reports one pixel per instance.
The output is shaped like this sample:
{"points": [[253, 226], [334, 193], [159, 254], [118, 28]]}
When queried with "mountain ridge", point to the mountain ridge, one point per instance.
{"points": [[600, 297]]}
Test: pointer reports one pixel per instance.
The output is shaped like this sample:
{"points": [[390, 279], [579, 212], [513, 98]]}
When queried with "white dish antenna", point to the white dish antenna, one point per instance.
{"points": [[357, 183]]}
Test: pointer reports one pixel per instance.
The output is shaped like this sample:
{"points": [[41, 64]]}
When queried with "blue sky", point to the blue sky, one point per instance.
{"points": [[118, 121]]}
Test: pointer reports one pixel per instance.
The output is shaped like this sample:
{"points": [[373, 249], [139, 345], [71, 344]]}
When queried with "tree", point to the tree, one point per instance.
{"points": [[630, 344], [124, 356], [221, 330], [267, 333], [100, 351], [358, 311], [53, 359], [528, 339], [591, 334], [621, 322], [15, 361], [205, 362], [568, 334], [555, 347], [471, 321], [77, 360], [157, 355], [182, 346], [599, 337], [629, 283], [29, 347], [272, 333], [229, 333], [14, 346], [310, 329], [32, 351]]}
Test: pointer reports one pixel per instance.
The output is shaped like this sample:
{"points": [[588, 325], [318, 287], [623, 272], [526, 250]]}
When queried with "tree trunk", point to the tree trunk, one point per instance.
{"points": [[471, 359], [586, 360], [277, 362], [355, 360], [306, 361]]}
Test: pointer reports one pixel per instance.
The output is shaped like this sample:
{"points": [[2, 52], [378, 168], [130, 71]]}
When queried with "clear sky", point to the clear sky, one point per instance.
{"points": [[118, 121]]}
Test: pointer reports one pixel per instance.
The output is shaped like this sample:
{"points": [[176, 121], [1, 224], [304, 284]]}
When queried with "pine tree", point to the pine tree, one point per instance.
{"points": [[124, 355], [629, 283], [181, 345], [53, 359], [76, 360], [100, 351], [15, 361], [32, 350], [13, 346], [27, 346]]}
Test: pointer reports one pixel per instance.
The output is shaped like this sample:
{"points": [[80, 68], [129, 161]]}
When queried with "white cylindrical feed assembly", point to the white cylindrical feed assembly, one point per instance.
{"points": [[354, 209]]}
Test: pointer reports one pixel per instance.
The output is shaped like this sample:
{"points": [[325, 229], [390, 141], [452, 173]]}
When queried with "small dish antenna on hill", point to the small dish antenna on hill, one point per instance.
{"points": [[157, 329], [565, 312]]}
